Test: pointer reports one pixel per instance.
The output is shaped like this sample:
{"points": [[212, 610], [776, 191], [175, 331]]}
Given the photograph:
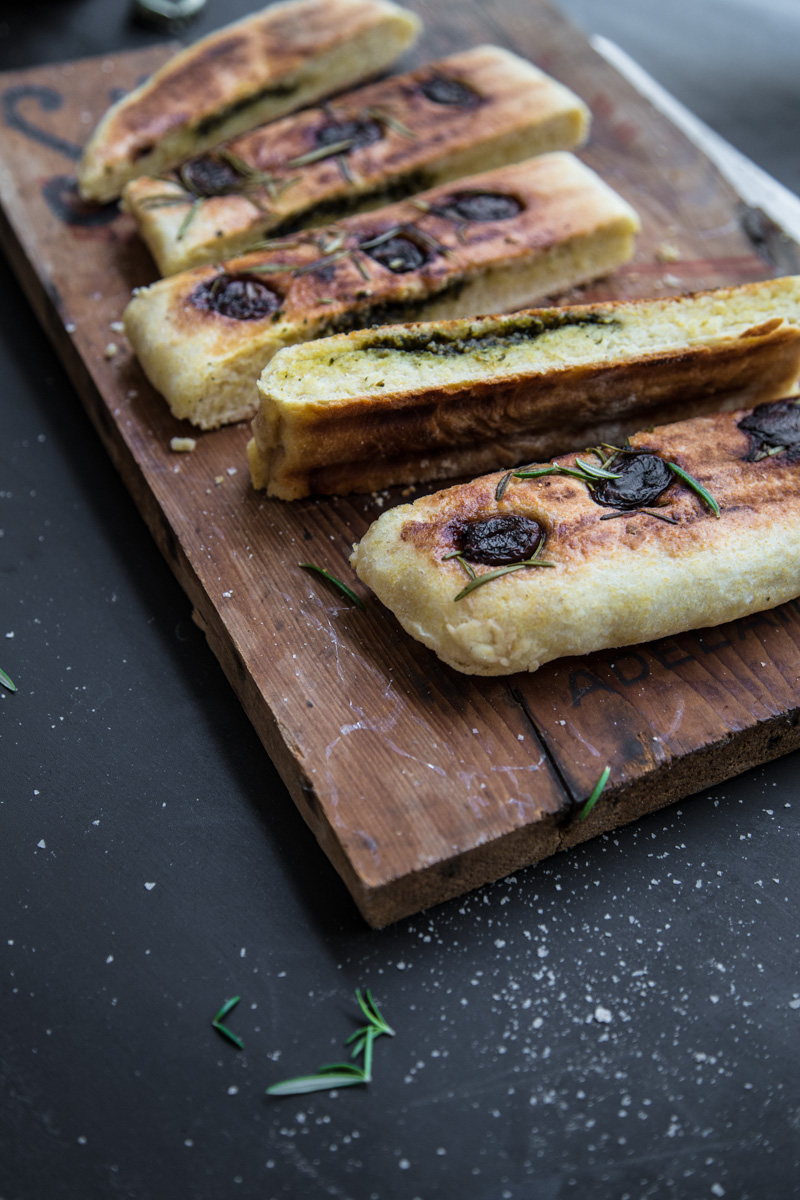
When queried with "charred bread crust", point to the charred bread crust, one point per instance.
{"points": [[544, 225], [613, 582], [407, 404], [466, 113], [270, 63]]}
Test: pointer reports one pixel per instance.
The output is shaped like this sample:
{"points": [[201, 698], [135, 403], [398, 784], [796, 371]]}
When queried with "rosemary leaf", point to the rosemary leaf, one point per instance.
{"points": [[336, 243], [314, 1083], [639, 512], [372, 1012], [343, 588], [305, 160], [500, 490], [226, 1008], [490, 575], [391, 122], [7, 681], [359, 265], [659, 516], [269, 268], [381, 238], [555, 469], [339, 1068], [274, 244], [162, 200], [431, 242], [696, 487], [238, 164], [368, 1040], [461, 561], [190, 216], [344, 169], [596, 472], [359, 1046], [595, 796], [325, 261]]}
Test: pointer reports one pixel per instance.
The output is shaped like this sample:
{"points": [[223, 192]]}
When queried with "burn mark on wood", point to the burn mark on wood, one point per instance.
{"points": [[49, 100]]}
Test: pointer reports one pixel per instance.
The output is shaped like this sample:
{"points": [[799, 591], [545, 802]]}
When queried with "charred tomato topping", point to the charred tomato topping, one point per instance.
{"points": [[498, 541], [481, 206], [398, 254], [642, 478], [773, 426], [241, 297], [210, 175], [441, 90], [358, 132]]}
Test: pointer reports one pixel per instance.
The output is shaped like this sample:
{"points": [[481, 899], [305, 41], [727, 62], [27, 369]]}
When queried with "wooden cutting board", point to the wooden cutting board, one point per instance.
{"points": [[419, 783]]}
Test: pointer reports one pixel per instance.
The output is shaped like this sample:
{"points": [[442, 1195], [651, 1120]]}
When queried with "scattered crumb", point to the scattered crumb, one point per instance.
{"points": [[111, 350], [218, 479], [232, 470], [671, 280], [117, 327], [667, 253], [182, 445]]}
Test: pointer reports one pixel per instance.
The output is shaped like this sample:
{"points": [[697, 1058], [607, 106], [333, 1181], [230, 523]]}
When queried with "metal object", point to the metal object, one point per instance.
{"points": [[167, 14]]}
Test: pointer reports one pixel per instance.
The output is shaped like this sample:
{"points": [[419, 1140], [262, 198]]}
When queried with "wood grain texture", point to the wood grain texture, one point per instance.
{"points": [[418, 783]]}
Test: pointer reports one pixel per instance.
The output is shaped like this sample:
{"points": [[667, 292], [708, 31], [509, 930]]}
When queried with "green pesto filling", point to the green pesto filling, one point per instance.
{"points": [[516, 331], [208, 124], [390, 313], [324, 211]]}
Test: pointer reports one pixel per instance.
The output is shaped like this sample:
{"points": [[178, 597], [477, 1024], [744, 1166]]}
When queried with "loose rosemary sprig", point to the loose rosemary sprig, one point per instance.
{"points": [[696, 486], [7, 681], [595, 796], [478, 580], [337, 583], [223, 1029], [342, 1074]]}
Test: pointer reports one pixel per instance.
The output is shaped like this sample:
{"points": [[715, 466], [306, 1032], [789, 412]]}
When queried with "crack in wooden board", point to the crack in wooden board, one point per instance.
{"points": [[418, 783]]}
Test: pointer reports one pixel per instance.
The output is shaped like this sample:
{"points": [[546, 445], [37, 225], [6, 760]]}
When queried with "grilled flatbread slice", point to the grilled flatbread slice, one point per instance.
{"points": [[470, 112], [255, 70], [561, 565], [407, 404], [493, 241]]}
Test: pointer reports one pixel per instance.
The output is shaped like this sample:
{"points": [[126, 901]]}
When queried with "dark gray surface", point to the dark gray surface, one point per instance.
{"points": [[622, 1021]]}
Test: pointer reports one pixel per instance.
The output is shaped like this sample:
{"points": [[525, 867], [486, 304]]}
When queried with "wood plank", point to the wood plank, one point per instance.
{"points": [[418, 783]]}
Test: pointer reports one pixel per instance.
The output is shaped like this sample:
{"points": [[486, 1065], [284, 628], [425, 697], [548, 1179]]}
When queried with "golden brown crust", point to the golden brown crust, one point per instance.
{"points": [[263, 66], [511, 111], [571, 227], [409, 404], [616, 580]]}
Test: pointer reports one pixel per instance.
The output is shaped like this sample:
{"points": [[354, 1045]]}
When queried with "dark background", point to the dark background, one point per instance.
{"points": [[621, 1021]]}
